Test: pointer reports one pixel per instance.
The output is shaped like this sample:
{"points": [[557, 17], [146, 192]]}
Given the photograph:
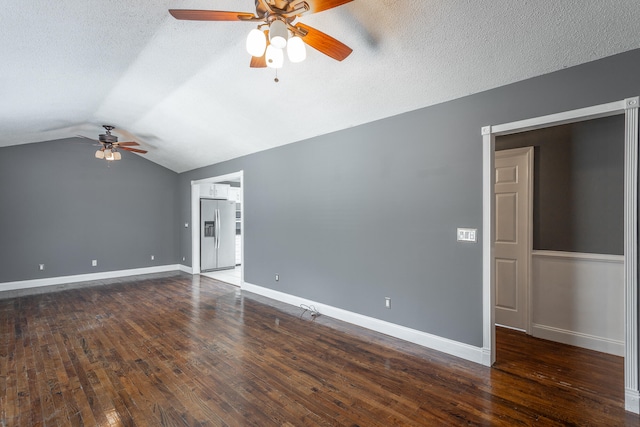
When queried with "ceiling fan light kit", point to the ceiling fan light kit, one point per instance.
{"points": [[296, 50], [267, 47], [278, 34], [256, 42], [274, 57]]}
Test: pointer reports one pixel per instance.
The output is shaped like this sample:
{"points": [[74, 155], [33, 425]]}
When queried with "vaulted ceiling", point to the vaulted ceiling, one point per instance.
{"points": [[184, 89]]}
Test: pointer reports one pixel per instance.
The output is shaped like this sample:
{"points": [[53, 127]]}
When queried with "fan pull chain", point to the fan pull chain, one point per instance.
{"points": [[276, 79]]}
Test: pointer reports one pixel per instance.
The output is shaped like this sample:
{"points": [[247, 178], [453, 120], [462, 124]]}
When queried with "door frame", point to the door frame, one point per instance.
{"points": [[195, 219], [628, 107], [529, 151]]}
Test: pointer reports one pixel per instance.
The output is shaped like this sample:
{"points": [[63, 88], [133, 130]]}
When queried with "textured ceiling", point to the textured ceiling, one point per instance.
{"points": [[184, 89]]}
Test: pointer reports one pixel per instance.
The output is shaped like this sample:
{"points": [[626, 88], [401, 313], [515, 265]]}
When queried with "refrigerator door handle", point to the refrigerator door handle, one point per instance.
{"points": [[215, 228], [218, 230]]}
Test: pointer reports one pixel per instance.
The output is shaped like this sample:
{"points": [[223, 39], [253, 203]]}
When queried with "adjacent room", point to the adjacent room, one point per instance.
{"points": [[319, 212]]}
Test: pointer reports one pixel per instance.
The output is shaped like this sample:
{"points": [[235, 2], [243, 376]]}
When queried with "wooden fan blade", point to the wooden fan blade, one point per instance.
{"points": [[126, 144], [210, 15], [324, 43], [135, 150], [258, 62], [320, 5]]}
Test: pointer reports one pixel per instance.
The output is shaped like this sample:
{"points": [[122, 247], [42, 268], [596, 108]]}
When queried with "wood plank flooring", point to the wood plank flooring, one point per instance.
{"points": [[190, 351]]}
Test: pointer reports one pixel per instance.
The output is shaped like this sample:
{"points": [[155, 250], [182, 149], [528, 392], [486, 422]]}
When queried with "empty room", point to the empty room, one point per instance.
{"points": [[319, 212]]}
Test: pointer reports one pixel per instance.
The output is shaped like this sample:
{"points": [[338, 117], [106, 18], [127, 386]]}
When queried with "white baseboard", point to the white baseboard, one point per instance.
{"points": [[632, 401], [487, 359], [454, 348], [60, 280], [185, 268], [590, 342]]}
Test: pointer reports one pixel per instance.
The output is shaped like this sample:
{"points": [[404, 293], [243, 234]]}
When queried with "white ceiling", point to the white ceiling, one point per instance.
{"points": [[184, 89]]}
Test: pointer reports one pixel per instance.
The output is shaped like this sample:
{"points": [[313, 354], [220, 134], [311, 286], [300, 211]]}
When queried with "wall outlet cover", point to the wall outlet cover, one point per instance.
{"points": [[467, 235]]}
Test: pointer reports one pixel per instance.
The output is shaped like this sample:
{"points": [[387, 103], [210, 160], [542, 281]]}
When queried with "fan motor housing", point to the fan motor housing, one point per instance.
{"points": [[107, 138]]}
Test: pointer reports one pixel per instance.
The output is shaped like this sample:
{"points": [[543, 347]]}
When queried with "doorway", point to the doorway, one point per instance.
{"points": [[234, 276], [628, 107]]}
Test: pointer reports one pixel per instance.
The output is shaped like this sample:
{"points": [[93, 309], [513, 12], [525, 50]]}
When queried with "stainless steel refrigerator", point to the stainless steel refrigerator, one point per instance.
{"points": [[217, 234]]}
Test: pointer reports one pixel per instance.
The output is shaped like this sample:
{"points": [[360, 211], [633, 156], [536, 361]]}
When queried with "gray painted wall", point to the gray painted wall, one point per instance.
{"points": [[62, 207], [345, 218], [578, 185], [353, 216]]}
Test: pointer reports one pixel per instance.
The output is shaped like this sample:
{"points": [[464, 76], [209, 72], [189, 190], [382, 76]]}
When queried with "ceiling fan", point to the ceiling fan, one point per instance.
{"points": [[110, 145], [276, 30]]}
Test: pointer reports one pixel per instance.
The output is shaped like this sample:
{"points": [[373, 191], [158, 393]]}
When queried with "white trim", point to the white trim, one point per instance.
{"points": [[579, 255], [61, 280], [631, 251], [454, 348], [592, 342], [185, 268], [195, 218], [195, 227], [629, 107], [488, 246], [558, 119], [632, 400]]}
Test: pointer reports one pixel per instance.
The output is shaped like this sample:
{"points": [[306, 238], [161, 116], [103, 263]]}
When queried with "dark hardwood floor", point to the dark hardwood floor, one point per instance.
{"points": [[190, 351]]}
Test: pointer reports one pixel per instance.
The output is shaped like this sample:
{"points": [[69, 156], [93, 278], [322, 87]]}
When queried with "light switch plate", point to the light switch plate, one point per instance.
{"points": [[467, 234]]}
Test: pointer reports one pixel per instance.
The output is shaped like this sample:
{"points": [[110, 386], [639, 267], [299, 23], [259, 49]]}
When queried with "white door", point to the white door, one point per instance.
{"points": [[513, 192]]}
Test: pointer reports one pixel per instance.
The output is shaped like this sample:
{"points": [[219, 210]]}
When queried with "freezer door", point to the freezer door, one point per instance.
{"points": [[208, 228], [227, 234]]}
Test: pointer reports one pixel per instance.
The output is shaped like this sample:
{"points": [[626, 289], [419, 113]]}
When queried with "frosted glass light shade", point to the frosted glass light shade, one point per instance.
{"points": [[278, 34], [99, 154], [117, 156], [108, 155], [296, 50], [274, 57], [256, 43]]}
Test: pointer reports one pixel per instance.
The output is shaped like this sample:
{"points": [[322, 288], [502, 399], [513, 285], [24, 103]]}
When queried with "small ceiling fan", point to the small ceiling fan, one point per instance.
{"points": [[110, 145], [276, 30]]}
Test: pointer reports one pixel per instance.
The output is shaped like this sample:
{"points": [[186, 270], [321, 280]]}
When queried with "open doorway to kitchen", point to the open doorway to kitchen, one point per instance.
{"points": [[227, 188]]}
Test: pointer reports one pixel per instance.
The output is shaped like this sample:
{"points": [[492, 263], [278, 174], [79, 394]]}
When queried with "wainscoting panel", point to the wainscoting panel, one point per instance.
{"points": [[578, 299]]}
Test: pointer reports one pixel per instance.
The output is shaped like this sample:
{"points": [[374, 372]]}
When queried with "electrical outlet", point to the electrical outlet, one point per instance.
{"points": [[387, 302], [94, 262], [186, 225], [41, 266], [277, 277], [153, 257], [184, 258]]}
